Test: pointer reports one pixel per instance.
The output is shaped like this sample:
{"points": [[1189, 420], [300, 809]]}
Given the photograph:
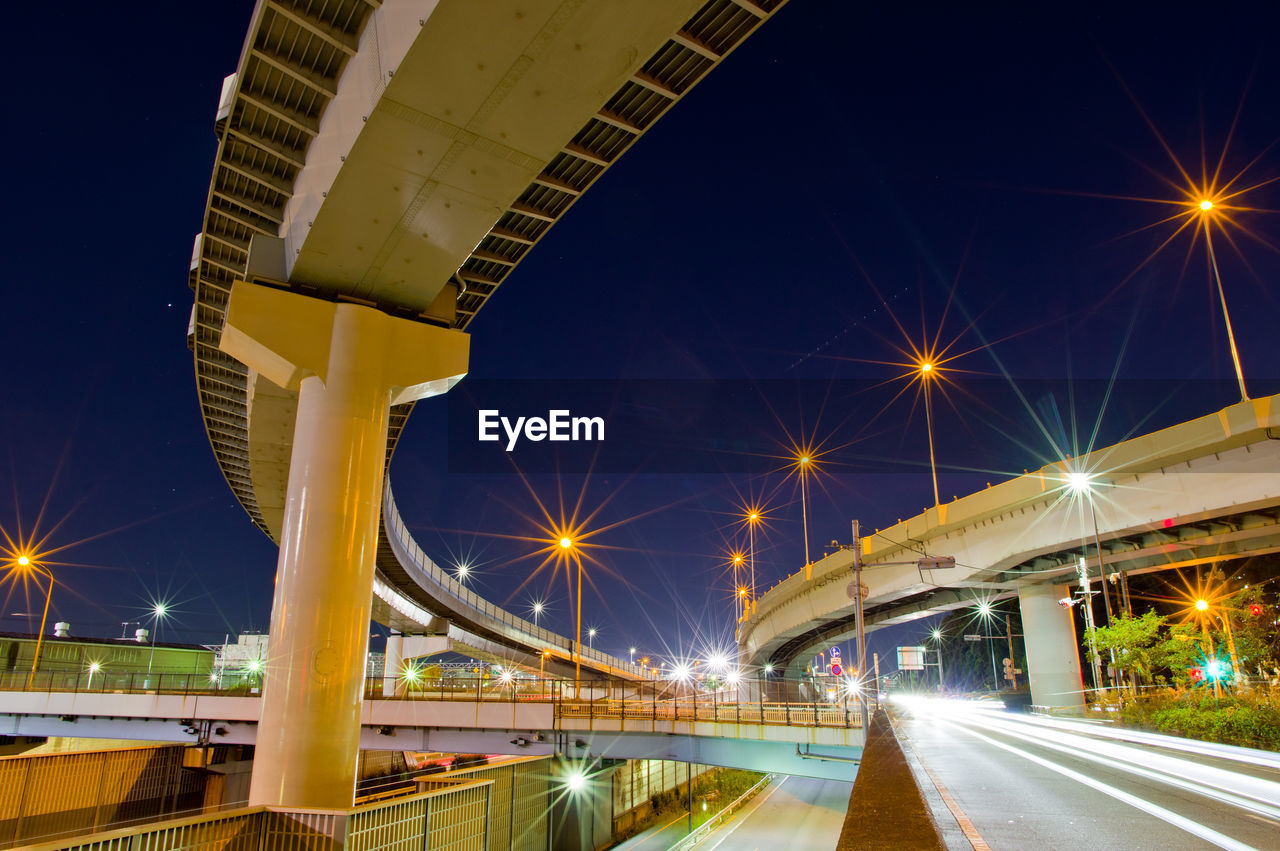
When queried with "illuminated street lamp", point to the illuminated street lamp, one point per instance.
{"points": [[804, 507], [753, 517], [633, 655], [936, 635], [926, 376], [591, 637], [1208, 210], [26, 563], [158, 611], [737, 600], [537, 607]]}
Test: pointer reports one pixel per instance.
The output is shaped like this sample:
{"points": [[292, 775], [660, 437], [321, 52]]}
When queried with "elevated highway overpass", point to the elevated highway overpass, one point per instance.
{"points": [[610, 719], [1198, 492], [382, 168]]}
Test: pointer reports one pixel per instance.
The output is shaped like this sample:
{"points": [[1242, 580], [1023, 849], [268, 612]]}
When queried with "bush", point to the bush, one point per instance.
{"points": [[1234, 720]]}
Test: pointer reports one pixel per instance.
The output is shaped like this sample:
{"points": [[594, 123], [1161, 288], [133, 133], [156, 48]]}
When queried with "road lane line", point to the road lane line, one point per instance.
{"points": [[966, 826], [1163, 769], [1195, 828]]}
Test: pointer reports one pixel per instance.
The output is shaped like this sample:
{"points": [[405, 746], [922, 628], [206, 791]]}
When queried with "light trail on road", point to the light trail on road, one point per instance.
{"points": [[999, 764]]}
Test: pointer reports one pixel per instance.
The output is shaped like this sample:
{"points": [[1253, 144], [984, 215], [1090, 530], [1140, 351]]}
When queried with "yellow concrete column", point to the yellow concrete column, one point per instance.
{"points": [[349, 363]]}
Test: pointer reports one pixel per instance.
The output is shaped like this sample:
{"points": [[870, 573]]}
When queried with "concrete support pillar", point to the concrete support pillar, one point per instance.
{"points": [[392, 661], [349, 363], [1053, 658]]}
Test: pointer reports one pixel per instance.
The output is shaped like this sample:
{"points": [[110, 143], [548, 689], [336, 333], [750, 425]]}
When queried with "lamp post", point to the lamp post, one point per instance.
{"points": [[1081, 484], [926, 375], [937, 637], [752, 519], [1207, 210], [566, 544], [591, 638], [157, 614], [26, 562], [737, 589], [804, 510]]}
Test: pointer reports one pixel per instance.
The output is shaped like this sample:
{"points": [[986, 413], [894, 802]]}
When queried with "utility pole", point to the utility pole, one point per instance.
{"points": [[861, 626], [1013, 677], [1083, 570]]}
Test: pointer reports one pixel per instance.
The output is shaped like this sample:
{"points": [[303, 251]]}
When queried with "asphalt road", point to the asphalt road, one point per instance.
{"points": [[1023, 782], [791, 813]]}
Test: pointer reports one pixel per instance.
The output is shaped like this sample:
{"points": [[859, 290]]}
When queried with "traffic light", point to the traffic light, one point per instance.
{"points": [[1255, 609], [1196, 674]]}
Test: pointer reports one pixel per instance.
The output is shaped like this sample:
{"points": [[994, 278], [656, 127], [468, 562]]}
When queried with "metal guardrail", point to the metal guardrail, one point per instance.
{"points": [[750, 702], [711, 825]]}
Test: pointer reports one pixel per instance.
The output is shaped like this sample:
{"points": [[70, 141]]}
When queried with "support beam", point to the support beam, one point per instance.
{"points": [[349, 364], [1053, 651]]}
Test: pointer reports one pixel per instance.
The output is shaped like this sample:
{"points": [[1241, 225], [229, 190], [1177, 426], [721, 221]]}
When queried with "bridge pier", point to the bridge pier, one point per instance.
{"points": [[1053, 651], [348, 363]]}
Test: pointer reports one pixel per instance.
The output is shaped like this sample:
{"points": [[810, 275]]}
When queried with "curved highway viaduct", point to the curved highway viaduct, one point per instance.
{"points": [[1199, 492], [382, 168]]}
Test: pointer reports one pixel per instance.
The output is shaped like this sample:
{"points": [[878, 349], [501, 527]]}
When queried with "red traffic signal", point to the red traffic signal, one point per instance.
{"points": [[1255, 609], [1196, 674]]}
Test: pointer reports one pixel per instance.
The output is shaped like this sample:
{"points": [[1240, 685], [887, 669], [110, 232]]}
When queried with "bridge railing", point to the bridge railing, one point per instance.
{"points": [[769, 701]]}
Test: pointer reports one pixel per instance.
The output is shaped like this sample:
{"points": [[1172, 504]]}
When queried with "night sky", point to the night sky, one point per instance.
{"points": [[966, 167]]}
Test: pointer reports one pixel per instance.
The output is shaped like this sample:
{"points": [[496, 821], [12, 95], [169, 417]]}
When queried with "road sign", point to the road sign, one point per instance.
{"points": [[836, 670], [852, 587], [835, 652], [911, 658], [973, 637]]}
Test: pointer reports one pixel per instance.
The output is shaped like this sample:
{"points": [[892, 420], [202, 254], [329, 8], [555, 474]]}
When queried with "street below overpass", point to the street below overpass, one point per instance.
{"points": [[1008, 781], [791, 812]]}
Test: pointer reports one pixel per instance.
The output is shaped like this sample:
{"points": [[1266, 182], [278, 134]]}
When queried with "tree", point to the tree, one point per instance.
{"points": [[1180, 651], [1135, 641]]}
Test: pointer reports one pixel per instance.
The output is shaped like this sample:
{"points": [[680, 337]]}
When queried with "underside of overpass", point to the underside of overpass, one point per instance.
{"points": [[447, 144]]}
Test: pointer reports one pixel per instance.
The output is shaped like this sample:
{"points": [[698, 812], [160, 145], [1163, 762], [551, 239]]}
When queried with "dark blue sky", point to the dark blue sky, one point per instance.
{"points": [[932, 149]]}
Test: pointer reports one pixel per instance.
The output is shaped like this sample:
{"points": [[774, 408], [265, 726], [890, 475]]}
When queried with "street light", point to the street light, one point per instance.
{"points": [[737, 600], [158, 611], [1209, 209], [25, 563], [926, 375], [804, 508], [753, 517], [937, 637], [591, 637]]}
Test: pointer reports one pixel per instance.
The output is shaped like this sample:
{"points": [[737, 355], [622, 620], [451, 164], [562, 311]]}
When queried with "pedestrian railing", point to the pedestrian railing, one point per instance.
{"points": [[748, 702]]}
